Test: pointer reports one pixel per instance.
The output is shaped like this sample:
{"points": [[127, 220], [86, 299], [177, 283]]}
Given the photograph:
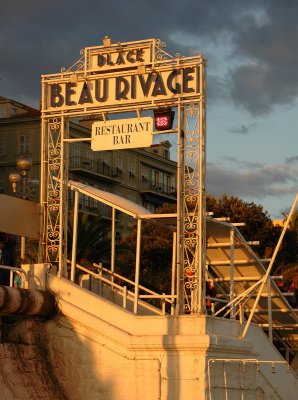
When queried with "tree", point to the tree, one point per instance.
{"points": [[293, 223], [93, 244], [156, 254], [288, 264], [258, 226]]}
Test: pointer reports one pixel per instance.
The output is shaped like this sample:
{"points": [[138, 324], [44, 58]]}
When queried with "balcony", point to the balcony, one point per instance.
{"points": [[95, 169], [152, 189]]}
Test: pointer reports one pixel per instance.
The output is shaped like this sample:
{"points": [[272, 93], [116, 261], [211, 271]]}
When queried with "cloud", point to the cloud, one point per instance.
{"points": [[270, 77], [291, 160], [39, 38], [242, 163], [243, 129], [260, 182]]}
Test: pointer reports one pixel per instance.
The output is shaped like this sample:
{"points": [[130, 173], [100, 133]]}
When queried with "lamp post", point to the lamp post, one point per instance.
{"points": [[28, 185]]}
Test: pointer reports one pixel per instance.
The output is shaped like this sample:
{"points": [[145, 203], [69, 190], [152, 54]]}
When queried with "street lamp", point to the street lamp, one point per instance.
{"points": [[29, 185], [14, 179]]}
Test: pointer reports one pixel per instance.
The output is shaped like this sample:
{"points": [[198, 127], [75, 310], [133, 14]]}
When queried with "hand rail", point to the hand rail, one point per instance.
{"points": [[133, 283], [17, 270], [123, 289]]}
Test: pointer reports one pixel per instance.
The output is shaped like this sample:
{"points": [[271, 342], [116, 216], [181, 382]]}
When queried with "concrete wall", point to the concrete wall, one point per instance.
{"points": [[97, 350], [26, 373]]}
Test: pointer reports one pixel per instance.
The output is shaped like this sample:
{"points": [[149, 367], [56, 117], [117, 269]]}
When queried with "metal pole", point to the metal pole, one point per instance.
{"points": [[269, 309], [173, 272], [232, 257], [180, 282], [43, 184], [23, 247], [61, 257], [201, 300], [74, 236], [113, 243], [124, 297], [137, 273]]}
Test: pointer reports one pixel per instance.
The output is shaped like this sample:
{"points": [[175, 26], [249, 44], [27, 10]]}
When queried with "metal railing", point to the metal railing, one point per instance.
{"points": [[120, 285], [242, 388], [98, 167], [167, 190], [17, 271]]}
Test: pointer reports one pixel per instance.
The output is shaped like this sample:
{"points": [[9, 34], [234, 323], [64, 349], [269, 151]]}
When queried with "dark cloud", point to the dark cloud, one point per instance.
{"points": [[292, 160], [260, 182], [242, 163], [270, 77], [243, 129], [41, 37]]}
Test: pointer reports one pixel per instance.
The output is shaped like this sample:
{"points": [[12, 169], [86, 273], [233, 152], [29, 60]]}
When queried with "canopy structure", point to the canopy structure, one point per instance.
{"points": [[110, 199], [232, 261]]}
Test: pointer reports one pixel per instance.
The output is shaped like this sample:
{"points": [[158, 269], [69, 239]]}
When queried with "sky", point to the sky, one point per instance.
{"points": [[252, 74]]}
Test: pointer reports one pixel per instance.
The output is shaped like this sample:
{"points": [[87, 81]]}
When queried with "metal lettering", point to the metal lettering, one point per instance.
{"points": [[159, 87], [187, 78], [122, 88], [130, 57], [146, 84], [120, 59], [68, 92], [139, 55], [85, 95], [105, 91], [56, 98], [171, 77]]}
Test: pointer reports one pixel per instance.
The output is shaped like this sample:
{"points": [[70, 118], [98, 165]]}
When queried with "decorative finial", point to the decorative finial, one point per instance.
{"points": [[107, 41]]}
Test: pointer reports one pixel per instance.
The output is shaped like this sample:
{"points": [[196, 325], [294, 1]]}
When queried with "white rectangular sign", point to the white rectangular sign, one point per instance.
{"points": [[107, 60], [122, 134]]}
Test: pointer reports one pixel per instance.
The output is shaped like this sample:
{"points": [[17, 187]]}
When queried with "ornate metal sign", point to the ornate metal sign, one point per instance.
{"points": [[136, 74], [123, 78]]}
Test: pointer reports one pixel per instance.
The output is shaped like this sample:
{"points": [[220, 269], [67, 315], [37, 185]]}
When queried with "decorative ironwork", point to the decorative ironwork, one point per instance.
{"points": [[193, 231], [192, 170], [160, 53], [79, 65], [53, 143]]}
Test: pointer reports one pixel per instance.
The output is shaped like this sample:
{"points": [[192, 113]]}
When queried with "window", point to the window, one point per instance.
{"points": [[132, 170], [90, 158], [23, 144], [156, 180], [75, 155], [119, 165], [132, 197], [1, 183], [86, 200], [2, 146]]}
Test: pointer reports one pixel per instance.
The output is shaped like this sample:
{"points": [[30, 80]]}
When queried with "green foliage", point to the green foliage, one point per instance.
{"points": [[258, 226], [93, 244], [156, 254]]}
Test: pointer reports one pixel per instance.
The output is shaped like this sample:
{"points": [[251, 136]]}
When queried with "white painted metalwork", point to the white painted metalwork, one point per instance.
{"points": [[267, 274], [68, 94]]}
